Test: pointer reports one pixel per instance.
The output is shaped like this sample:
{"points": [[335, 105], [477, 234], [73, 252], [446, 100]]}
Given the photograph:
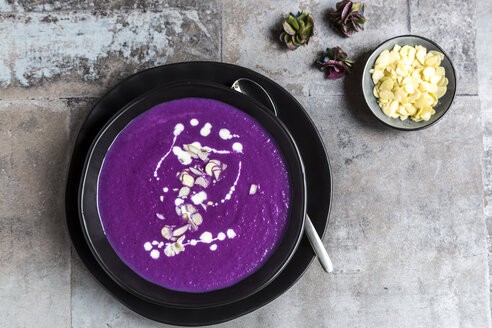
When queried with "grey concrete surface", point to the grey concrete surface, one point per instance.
{"points": [[484, 47], [57, 53], [408, 233], [34, 248]]}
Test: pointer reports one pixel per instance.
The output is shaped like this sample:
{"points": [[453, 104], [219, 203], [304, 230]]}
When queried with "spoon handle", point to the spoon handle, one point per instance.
{"points": [[317, 245], [256, 91]]}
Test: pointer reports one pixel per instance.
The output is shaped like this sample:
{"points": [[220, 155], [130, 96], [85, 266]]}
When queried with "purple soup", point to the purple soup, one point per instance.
{"points": [[194, 195]]}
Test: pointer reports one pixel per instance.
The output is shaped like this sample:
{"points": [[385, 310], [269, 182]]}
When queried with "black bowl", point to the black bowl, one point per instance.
{"points": [[130, 280]]}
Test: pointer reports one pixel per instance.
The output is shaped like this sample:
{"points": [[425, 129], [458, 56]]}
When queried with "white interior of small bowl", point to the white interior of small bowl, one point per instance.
{"points": [[443, 104]]}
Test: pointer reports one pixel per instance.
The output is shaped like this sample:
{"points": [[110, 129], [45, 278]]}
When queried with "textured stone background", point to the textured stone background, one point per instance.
{"points": [[408, 232]]}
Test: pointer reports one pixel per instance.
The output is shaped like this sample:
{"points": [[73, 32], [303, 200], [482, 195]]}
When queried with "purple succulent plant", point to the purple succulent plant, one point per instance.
{"points": [[348, 17], [335, 63]]}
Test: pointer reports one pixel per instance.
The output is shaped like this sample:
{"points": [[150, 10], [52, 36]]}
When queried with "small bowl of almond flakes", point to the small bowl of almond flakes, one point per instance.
{"points": [[409, 82]]}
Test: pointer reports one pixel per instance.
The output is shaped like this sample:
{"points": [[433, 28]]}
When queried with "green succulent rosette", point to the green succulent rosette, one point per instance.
{"points": [[297, 29]]}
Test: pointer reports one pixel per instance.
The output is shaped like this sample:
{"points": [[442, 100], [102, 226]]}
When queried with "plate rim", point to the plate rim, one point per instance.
{"points": [[79, 143]]}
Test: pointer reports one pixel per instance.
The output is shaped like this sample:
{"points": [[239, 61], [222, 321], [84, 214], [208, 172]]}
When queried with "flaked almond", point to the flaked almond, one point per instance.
{"points": [[215, 161], [201, 181], [192, 224], [252, 189], [203, 155], [175, 248], [192, 150], [184, 191], [169, 251], [166, 232], [180, 231], [217, 174], [204, 206], [197, 218], [178, 210], [181, 239], [190, 208], [224, 166], [195, 171], [209, 167], [186, 179], [160, 216], [193, 155]]}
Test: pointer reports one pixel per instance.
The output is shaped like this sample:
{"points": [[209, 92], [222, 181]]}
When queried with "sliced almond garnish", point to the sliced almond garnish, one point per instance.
{"points": [[215, 161], [180, 231], [204, 206], [184, 191], [197, 218], [186, 179], [169, 251], [195, 171], [175, 248], [209, 167], [160, 216], [224, 166], [193, 155], [192, 150], [252, 189], [203, 155], [190, 208], [217, 174], [178, 210], [192, 224], [166, 232], [201, 181]]}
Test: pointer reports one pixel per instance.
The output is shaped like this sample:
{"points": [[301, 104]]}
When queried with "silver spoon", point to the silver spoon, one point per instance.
{"points": [[256, 91]]}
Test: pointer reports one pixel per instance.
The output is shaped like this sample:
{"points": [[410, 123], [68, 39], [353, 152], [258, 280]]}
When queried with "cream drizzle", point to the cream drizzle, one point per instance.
{"points": [[205, 238], [226, 134], [213, 150], [233, 187], [177, 131], [205, 131]]}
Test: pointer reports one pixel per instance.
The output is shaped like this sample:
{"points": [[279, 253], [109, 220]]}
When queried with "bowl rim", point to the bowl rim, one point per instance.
{"points": [[302, 206], [366, 71]]}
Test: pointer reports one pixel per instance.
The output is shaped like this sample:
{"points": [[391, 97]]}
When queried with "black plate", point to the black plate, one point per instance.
{"points": [[294, 117], [124, 275]]}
